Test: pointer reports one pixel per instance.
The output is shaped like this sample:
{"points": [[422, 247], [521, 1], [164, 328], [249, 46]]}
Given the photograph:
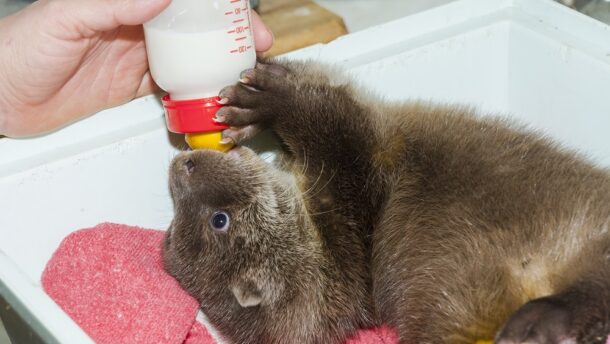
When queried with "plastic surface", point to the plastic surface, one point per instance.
{"points": [[532, 60]]}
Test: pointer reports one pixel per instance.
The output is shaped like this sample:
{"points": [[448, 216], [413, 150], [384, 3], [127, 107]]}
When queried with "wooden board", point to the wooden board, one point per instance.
{"points": [[265, 6], [302, 25]]}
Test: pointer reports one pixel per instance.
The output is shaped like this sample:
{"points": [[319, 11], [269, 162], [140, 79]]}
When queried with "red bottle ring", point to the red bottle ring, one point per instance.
{"points": [[192, 115]]}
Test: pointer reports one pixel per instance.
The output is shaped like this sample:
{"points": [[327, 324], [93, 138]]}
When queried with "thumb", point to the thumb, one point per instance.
{"points": [[93, 16]]}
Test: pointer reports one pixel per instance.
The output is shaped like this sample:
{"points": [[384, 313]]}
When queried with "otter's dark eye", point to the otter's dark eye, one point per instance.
{"points": [[220, 221]]}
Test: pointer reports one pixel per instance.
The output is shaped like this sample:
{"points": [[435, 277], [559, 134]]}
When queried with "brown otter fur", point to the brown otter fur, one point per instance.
{"points": [[449, 227]]}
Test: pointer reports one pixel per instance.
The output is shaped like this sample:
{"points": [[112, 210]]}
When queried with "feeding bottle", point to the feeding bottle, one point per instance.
{"points": [[195, 48]]}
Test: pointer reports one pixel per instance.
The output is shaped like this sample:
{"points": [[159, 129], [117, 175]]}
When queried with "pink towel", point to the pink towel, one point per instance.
{"points": [[380, 335], [111, 281]]}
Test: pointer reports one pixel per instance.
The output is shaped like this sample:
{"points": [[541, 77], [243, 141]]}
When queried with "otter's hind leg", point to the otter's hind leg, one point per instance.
{"points": [[436, 290], [451, 309]]}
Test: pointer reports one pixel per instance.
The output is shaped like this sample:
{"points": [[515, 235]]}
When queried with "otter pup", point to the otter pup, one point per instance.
{"points": [[448, 227]]}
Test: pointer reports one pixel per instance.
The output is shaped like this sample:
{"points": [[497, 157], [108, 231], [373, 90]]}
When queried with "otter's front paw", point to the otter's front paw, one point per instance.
{"points": [[252, 104]]}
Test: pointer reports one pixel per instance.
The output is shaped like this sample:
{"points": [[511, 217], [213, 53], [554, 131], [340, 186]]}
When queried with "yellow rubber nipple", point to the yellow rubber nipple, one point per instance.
{"points": [[209, 140]]}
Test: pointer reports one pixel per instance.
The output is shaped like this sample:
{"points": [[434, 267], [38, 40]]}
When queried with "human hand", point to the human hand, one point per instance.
{"points": [[64, 59]]}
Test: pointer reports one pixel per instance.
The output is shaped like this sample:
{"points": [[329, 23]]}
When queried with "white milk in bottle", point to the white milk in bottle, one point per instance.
{"points": [[196, 65]]}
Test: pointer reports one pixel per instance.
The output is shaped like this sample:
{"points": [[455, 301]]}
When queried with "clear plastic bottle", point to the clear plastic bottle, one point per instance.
{"points": [[195, 48]]}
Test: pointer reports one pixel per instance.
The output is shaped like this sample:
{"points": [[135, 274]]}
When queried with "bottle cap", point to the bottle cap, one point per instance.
{"points": [[192, 115]]}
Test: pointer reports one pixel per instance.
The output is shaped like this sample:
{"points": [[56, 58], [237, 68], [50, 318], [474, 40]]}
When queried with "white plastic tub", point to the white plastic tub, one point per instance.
{"points": [[532, 59]]}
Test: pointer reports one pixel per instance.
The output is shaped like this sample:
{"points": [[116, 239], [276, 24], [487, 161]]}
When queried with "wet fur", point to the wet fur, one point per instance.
{"points": [[447, 226]]}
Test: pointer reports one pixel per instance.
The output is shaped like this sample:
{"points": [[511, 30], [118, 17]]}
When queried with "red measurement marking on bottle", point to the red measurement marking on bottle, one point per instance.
{"points": [[240, 11], [241, 49], [239, 29]]}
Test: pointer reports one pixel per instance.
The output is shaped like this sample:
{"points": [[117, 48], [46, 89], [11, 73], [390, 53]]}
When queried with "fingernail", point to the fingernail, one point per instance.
{"points": [[223, 101], [219, 118], [226, 140], [222, 92], [243, 76]]}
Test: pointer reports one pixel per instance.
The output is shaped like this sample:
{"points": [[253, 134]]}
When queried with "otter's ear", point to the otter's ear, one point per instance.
{"points": [[247, 293]]}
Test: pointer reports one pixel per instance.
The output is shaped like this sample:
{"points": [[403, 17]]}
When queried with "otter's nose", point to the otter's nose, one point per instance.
{"points": [[189, 164]]}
